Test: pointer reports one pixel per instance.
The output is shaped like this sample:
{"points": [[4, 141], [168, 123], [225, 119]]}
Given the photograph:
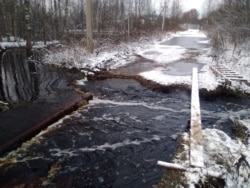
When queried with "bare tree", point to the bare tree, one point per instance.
{"points": [[28, 27], [230, 23], [15, 20], [44, 21], [66, 19], [176, 13], [164, 15], [4, 25], [56, 19]]}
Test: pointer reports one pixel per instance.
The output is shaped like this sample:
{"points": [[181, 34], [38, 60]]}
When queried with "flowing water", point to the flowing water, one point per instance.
{"points": [[116, 140]]}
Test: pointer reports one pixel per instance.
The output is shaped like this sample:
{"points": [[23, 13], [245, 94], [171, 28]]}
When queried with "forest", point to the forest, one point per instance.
{"points": [[65, 20], [119, 20], [229, 22]]}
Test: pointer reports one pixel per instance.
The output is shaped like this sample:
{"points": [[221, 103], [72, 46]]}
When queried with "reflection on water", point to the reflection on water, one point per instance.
{"points": [[18, 80], [182, 68], [26, 81]]}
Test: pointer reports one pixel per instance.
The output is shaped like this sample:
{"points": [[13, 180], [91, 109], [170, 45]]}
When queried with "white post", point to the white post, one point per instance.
{"points": [[196, 145]]}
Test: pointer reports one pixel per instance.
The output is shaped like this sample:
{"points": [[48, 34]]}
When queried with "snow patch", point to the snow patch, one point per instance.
{"points": [[159, 77], [164, 54], [22, 43], [224, 157]]}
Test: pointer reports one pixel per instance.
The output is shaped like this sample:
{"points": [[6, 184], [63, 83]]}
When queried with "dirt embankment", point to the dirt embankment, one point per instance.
{"points": [[221, 90]]}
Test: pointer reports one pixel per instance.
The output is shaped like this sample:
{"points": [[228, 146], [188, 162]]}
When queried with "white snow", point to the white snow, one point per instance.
{"points": [[221, 153], [167, 54], [163, 54], [196, 142], [158, 76], [22, 43], [81, 82], [111, 57]]}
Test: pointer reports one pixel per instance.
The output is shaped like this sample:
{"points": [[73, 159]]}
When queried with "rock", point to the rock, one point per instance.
{"points": [[3, 106]]}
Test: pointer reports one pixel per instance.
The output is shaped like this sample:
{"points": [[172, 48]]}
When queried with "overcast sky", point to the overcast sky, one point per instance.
{"points": [[190, 4], [186, 4]]}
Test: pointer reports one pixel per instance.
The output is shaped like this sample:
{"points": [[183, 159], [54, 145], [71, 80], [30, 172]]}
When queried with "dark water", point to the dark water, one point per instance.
{"points": [[17, 81], [26, 81], [37, 94], [186, 42], [138, 67], [178, 68], [116, 140], [182, 68]]}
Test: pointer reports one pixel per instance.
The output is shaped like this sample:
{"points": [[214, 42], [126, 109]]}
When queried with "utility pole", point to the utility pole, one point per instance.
{"points": [[90, 45]]}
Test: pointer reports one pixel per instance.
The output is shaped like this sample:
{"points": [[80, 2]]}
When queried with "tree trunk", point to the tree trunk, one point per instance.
{"points": [[4, 18], [98, 17], [248, 10], [56, 19], [44, 22], [66, 20], [164, 16], [15, 20], [28, 28], [129, 17], [90, 45], [59, 17]]}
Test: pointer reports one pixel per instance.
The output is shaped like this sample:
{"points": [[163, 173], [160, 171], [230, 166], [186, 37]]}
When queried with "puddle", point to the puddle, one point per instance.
{"points": [[140, 65], [152, 53], [181, 68], [187, 42]]}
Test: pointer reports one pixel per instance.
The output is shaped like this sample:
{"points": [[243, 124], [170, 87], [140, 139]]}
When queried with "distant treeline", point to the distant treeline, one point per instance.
{"points": [[66, 20], [230, 22]]}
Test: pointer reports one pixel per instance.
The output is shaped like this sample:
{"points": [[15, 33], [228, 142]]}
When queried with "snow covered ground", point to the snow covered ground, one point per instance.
{"points": [[125, 53], [22, 43], [225, 158]]}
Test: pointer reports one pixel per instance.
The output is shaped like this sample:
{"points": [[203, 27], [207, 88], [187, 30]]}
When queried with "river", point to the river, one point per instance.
{"points": [[114, 141]]}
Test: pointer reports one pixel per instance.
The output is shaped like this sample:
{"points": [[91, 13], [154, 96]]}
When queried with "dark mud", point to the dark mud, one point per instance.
{"points": [[220, 91]]}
